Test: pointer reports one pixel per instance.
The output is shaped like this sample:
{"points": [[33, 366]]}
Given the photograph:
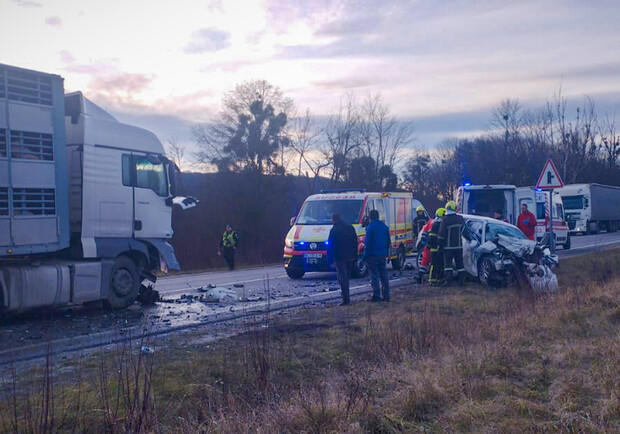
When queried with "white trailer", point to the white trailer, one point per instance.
{"points": [[85, 201], [591, 207]]}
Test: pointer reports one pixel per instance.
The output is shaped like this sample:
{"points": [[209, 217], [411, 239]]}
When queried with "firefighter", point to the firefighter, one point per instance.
{"points": [[426, 252], [228, 245], [420, 220], [451, 242], [436, 275]]}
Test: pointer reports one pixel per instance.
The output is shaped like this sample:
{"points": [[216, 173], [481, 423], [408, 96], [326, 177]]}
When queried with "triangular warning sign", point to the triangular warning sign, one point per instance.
{"points": [[550, 177]]}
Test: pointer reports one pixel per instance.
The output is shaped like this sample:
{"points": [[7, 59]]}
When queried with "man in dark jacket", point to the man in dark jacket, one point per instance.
{"points": [[342, 251], [420, 220], [435, 277], [451, 242], [376, 252]]}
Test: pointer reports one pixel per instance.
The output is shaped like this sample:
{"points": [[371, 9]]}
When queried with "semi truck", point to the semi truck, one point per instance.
{"points": [[85, 200], [591, 208], [484, 200], [306, 244]]}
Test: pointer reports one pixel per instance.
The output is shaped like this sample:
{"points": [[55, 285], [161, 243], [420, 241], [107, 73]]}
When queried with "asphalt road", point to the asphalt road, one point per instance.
{"points": [[30, 336]]}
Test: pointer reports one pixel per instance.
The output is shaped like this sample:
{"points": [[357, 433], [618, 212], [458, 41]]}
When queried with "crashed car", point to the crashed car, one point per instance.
{"points": [[498, 253]]}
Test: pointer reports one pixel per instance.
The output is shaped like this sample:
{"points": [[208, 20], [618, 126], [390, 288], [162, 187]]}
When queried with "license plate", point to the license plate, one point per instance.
{"points": [[313, 255]]}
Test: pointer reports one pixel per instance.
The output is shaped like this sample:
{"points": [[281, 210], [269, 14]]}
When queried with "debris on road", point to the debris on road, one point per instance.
{"points": [[220, 295], [147, 350]]}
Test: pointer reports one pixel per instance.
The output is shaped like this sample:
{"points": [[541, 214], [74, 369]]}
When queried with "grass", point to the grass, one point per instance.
{"points": [[442, 360]]}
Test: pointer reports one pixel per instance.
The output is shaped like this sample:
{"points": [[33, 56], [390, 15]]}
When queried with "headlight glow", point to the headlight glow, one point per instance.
{"points": [[288, 242]]}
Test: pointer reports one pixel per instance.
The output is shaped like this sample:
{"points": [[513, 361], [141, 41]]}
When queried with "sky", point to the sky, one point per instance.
{"points": [[165, 65]]}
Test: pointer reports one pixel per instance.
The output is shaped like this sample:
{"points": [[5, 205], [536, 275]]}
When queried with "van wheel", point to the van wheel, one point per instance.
{"points": [[360, 269], [124, 284], [566, 245], [399, 262], [295, 273]]}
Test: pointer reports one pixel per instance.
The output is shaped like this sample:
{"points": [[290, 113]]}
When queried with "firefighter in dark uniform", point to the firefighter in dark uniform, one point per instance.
{"points": [[451, 242], [228, 245], [435, 277], [420, 220]]}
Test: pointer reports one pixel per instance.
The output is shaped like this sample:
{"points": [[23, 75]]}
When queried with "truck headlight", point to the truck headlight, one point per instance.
{"points": [[288, 243]]}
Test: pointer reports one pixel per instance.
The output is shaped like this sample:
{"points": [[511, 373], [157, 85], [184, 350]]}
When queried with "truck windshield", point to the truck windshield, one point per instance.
{"points": [[573, 202], [319, 212]]}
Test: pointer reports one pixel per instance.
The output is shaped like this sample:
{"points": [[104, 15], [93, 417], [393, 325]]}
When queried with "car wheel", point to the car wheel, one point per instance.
{"points": [[124, 284], [295, 273], [485, 268], [399, 262], [418, 258], [360, 269]]}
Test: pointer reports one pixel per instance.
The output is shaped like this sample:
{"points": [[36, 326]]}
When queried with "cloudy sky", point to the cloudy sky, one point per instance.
{"points": [[164, 65]]}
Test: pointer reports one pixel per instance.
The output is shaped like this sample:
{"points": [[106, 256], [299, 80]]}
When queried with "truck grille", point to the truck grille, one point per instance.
{"points": [[2, 142], [4, 201], [32, 146], [34, 201]]}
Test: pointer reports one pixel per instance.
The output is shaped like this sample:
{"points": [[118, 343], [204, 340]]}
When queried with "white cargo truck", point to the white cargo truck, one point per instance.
{"points": [[591, 207], [85, 201]]}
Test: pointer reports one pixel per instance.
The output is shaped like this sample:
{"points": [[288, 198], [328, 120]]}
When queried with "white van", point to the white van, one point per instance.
{"points": [[306, 244], [484, 200]]}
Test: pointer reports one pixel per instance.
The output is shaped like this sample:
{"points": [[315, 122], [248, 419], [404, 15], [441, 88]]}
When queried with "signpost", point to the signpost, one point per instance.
{"points": [[549, 180]]}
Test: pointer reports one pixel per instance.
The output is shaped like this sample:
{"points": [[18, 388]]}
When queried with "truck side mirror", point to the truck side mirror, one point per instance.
{"points": [[293, 220], [365, 221], [173, 176]]}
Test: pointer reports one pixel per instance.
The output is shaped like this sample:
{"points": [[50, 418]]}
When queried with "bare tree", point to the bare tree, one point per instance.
{"points": [[175, 152], [610, 140], [343, 138], [384, 137]]}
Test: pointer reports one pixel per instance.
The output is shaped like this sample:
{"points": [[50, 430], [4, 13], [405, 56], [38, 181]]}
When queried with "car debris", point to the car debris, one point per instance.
{"points": [[220, 295]]}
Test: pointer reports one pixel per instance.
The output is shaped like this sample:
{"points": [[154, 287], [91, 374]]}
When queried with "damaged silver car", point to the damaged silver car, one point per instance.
{"points": [[498, 253]]}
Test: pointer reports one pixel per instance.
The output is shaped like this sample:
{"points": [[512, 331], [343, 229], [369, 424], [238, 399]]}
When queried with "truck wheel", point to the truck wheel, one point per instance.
{"points": [[566, 245], [399, 262], [360, 269], [124, 284], [295, 273]]}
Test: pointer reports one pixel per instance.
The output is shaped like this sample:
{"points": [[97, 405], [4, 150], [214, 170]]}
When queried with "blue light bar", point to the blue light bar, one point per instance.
{"points": [[467, 184]]}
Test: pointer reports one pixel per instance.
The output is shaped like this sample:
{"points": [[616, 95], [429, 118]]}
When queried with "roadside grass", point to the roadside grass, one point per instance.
{"points": [[448, 359]]}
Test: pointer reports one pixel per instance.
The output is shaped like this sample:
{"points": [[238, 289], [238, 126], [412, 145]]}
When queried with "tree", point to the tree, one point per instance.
{"points": [[250, 133], [175, 152]]}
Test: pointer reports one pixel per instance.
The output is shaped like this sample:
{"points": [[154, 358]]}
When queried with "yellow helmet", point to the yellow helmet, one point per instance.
{"points": [[440, 212], [419, 208], [451, 206]]}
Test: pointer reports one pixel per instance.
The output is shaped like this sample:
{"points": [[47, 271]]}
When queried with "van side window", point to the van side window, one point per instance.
{"points": [[127, 172], [380, 208]]}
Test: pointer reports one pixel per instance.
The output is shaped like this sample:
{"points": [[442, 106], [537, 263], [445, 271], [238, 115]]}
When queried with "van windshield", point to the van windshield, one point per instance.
{"points": [[319, 212], [573, 202]]}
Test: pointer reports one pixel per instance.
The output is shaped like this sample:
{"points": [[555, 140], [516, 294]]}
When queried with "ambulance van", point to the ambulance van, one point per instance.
{"points": [[306, 244]]}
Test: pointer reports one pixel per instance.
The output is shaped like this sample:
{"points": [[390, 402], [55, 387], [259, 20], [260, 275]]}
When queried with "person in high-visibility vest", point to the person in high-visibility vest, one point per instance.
{"points": [[436, 274], [228, 245]]}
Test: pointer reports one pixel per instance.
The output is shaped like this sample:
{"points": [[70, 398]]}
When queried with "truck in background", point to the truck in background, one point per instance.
{"points": [[306, 244], [591, 208], [85, 201], [484, 200]]}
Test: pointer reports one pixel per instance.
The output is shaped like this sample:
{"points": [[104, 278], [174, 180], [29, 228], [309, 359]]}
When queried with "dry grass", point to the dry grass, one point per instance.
{"points": [[434, 359]]}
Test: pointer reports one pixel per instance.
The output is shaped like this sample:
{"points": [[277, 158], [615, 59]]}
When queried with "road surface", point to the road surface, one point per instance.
{"points": [[261, 289]]}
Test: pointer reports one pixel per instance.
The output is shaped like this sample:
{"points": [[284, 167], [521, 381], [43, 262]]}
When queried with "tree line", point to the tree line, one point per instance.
{"points": [[265, 156]]}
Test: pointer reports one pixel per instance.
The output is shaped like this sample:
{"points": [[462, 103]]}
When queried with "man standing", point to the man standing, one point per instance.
{"points": [[527, 223], [436, 275], [342, 250], [420, 220], [451, 241], [376, 252], [228, 245]]}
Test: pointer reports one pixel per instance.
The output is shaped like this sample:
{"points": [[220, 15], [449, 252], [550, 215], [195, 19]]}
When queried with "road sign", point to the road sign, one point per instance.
{"points": [[550, 177]]}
